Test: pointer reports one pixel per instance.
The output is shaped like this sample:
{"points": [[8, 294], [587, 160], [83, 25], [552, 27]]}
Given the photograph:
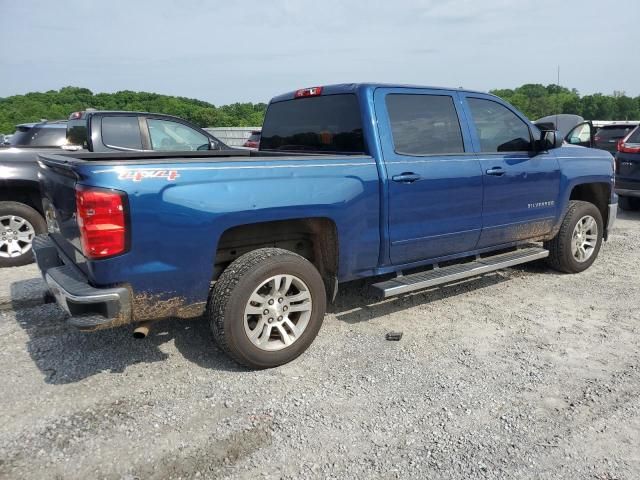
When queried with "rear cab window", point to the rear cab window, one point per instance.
{"points": [[322, 124], [40, 136]]}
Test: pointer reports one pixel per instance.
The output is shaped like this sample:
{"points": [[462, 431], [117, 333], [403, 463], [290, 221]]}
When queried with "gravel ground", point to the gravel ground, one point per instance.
{"points": [[522, 374]]}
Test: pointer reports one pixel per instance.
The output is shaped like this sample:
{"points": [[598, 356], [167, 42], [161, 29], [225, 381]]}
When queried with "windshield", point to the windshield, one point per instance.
{"points": [[329, 123]]}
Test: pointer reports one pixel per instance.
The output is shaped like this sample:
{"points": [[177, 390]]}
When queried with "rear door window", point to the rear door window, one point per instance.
{"points": [[328, 123], [121, 132], [498, 128], [424, 124]]}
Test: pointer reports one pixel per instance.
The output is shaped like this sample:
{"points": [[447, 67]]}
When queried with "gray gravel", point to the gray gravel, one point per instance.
{"points": [[522, 374]]}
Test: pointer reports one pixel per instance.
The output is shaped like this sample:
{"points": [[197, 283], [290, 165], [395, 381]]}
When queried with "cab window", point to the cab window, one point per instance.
{"points": [[121, 132], [166, 135], [498, 128], [424, 124]]}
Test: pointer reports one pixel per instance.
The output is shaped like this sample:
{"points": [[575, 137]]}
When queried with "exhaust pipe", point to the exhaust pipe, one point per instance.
{"points": [[142, 330]]}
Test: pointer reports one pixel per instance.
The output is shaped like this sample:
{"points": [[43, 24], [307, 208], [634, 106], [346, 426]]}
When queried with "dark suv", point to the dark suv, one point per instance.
{"points": [[608, 136], [628, 171], [42, 134]]}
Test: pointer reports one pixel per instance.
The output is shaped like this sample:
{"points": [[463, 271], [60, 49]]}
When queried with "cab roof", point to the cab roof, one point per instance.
{"points": [[338, 88]]}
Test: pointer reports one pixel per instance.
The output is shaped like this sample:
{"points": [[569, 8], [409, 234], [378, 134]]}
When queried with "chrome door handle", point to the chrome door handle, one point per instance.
{"points": [[406, 177], [497, 171]]}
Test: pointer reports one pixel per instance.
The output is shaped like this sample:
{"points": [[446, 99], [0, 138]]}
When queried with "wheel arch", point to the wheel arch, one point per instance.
{"points": [[314, 238], [25, 191], [597, 193]]}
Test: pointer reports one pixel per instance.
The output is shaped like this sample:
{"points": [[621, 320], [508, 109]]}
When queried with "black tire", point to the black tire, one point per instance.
{"points": [[628, 203], [560, 255], [30, 215], [231, 294]]}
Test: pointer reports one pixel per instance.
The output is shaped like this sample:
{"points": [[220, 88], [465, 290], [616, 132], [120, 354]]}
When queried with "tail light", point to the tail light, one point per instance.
{"points": [[627, 147], [102, 221]]}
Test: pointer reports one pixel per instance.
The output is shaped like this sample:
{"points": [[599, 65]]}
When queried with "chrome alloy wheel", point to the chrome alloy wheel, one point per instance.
{"points": [[16, 236], [584, 238], [277, 313]]}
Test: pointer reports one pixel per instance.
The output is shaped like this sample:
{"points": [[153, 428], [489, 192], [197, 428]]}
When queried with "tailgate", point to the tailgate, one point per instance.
{"points": [[57, 184]]}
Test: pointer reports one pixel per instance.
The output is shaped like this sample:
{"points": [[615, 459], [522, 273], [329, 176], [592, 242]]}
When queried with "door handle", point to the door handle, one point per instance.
{"points": [[406, 177], [497, 171]]}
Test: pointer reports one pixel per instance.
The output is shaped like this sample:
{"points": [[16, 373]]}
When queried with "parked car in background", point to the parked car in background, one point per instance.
{"points": [[41, 134], [21, 211], [254, 140], [351, 181], [628, 171], [607, 135]]}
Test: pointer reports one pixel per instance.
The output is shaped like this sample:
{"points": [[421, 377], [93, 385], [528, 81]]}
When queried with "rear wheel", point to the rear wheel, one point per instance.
{"points": [[267, 307], [576, 245], [19, 224], [628, 203]]}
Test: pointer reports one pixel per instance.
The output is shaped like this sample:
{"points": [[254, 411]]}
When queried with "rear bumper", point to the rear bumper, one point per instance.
{"points": [[89, 308]]}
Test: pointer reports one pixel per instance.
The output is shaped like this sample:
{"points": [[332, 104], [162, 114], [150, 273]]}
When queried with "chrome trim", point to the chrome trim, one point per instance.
{"points": [[613, 215], [63, 295]]}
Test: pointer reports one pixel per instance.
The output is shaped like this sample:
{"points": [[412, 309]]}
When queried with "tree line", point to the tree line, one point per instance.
{"points": [[534, 100], [537, 101], [58, 104]]}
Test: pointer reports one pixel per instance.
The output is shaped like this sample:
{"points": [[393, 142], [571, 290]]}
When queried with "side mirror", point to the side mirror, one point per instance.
{"points": [[550, 139]]}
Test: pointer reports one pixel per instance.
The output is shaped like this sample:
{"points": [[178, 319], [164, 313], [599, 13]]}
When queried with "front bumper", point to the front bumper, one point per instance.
{"points": [[89, 308]]}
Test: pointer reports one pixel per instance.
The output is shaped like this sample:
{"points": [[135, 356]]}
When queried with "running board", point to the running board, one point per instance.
{"points": [[453, 273]]}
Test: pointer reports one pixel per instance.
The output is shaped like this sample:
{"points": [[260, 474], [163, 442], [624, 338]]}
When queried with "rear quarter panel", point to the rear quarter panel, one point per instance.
{"points": [[176, 223]]}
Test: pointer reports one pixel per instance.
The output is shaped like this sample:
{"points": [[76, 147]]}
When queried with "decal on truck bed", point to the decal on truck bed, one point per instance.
{"points": [[139, 175]]}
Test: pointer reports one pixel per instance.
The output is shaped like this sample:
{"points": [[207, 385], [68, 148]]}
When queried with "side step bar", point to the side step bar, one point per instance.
{"points": [[453, 273]]}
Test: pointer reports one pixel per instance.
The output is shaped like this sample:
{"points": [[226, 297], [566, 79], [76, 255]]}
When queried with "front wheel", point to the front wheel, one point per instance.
{"points": [[267, 307], [576, 245], [19, 224]]}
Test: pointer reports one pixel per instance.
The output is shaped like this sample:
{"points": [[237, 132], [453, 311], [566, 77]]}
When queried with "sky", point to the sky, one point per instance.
{"points": [[228, 51]]}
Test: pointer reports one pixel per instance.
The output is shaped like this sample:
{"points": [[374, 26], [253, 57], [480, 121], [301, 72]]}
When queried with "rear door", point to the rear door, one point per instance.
{"points": [[434, 181], [521, 188]]}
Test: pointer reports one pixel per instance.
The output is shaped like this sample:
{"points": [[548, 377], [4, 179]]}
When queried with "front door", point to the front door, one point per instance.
{"points": [[521, 188], [434, 181]]}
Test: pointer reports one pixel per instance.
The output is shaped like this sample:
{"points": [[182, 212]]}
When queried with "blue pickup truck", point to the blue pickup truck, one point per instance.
{"points": [[416, 186]]}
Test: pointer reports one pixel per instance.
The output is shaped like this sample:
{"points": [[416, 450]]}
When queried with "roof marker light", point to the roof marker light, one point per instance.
{"points": [[308, 92]]}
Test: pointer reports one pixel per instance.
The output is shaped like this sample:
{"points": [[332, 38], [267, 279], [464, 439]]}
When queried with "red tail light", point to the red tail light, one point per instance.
{"points": [[102, 222], [308, 92], [628, 147]]}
